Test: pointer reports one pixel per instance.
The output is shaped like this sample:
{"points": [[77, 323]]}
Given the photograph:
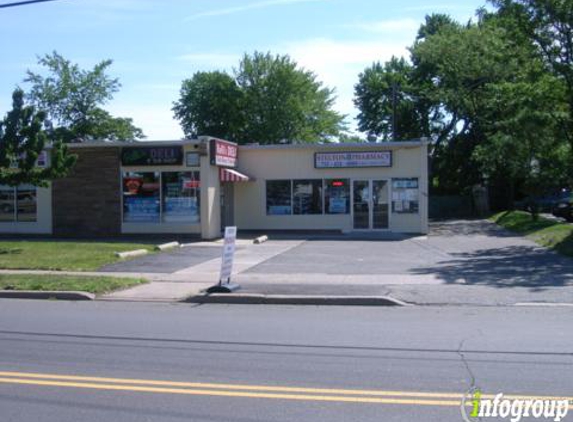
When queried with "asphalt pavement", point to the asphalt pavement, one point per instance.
{"points": [[459, 262], [94, 361]]}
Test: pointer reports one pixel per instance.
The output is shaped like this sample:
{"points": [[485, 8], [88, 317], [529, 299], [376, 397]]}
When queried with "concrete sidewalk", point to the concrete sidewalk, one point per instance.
{"points": [[330, 289]]}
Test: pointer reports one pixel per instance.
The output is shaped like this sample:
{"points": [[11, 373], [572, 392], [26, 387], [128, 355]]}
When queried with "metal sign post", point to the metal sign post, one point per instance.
{"points": [[225, 285]]}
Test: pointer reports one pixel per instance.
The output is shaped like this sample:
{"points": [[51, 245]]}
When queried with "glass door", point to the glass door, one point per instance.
{"points": [[370, 204], [361, 204], [379, 204]]}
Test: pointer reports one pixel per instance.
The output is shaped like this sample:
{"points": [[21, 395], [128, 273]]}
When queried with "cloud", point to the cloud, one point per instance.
{"points": [[250, 6], [338, 63], [388, 26]]}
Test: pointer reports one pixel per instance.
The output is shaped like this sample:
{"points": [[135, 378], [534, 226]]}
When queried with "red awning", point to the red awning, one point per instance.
{"points": [[230, 175]]}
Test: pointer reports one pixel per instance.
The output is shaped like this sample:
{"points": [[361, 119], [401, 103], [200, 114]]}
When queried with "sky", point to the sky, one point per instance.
{"points": [[155, 45]]}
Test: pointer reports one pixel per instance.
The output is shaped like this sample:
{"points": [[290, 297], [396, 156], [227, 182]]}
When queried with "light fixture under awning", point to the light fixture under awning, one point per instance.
{"points": [[230, 175]]}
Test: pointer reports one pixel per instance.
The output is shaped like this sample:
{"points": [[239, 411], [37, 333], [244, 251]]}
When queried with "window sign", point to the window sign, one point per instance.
{"points": [[141, 197], [337, 196], [192, 159], [181, 197], [405, 196], [352, 159], [152, 156], [223, 153]]}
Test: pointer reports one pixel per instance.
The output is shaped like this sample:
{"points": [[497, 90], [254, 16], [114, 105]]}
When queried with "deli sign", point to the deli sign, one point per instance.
{"points": [[327, 160], [152, 156], [223, 153]]}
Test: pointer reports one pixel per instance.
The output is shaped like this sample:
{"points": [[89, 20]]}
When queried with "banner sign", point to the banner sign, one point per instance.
{"points": [[152, 156], [228, 254], [223, 153], [327, 160]]}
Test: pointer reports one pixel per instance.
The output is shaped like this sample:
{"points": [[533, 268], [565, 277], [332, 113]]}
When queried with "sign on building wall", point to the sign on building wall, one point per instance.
{"points": [[152, 156], [223, 153], [352, 159]]}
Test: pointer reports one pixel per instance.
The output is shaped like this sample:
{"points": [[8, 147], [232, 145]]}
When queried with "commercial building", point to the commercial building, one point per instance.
{"points": [[197, 186]]}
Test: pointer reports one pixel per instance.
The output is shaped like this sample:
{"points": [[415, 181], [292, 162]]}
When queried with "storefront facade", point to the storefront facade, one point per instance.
{"points": [[197, 186], [351, 187]]}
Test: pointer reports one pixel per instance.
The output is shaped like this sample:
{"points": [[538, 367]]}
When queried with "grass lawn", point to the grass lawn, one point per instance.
{"points": [[61, 255], [552, 234], [56, 282]]}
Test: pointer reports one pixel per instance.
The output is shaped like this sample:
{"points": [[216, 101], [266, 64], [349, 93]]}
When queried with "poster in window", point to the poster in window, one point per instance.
{"points": [[138, 209], [405, 195]]}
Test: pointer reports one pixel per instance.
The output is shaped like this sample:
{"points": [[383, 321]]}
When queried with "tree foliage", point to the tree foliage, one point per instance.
{"points": [[487, 96], [386, 98], [210, 103], [269, 99], [22, 139], [73, 97]]}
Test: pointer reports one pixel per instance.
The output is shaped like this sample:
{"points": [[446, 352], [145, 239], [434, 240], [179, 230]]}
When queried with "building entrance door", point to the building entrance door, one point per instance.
{"points": [[370, 204]]}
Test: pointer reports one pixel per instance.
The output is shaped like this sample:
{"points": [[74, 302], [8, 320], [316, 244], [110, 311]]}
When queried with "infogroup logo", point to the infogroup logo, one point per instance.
{"points": [[476, 406]]}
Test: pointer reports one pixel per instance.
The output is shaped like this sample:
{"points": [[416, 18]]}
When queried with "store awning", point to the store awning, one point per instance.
{"points": [[230, 175]]}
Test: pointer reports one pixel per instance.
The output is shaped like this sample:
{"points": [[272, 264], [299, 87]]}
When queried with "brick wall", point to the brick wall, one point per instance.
{"points": [[88, 201]]}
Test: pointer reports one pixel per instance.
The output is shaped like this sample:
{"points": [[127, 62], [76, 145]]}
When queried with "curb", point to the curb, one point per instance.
{"points": [[131, 254], [260, 239], [167, 246], [260, 299], [47, 294]]}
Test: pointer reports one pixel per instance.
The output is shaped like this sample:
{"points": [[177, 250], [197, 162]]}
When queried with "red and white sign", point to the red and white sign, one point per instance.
{"points": [[223, 153]]}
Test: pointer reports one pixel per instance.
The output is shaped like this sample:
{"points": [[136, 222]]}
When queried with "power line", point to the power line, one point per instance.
{"points": [[22, 3]]}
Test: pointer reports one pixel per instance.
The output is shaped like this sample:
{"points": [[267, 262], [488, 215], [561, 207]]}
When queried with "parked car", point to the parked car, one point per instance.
{"points": [[544, 203], [564, 209]]}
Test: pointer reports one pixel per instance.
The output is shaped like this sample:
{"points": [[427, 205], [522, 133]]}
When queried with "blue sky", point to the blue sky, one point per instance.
{"points": [[156, 44]]}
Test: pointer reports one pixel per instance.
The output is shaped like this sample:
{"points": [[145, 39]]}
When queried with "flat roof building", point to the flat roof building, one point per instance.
{"points": [[198, 186]]}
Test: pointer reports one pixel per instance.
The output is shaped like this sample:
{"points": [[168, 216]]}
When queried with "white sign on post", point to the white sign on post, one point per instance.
{"points": [[228, 254]]}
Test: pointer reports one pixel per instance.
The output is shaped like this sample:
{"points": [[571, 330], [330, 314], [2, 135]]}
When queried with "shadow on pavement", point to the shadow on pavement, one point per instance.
{"points": [[511, 266], [448, 228]]}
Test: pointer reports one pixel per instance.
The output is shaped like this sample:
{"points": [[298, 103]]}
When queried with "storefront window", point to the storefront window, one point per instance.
{"points": [[18, 204], [7, 208], [307, 196], [337, 196], [141, 197], [279, 197], [181, 197], [26, 203], [405, 196]]}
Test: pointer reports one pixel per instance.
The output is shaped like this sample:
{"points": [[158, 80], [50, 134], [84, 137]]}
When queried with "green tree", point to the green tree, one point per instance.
{"points": [[73, 97], [269, 100], [22, 139], [548, 24], [486, 98], [388, 103], [210, 103]]}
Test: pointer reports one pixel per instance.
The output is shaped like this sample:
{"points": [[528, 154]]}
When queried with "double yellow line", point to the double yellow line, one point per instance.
{"points": [[241, 390]]}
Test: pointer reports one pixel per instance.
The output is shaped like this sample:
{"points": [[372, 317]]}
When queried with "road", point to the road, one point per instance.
{"points": [[66, 361]]}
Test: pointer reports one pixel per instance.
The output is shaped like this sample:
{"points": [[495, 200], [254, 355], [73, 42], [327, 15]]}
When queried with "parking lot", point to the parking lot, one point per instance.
{"points": [[456, 252]]}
